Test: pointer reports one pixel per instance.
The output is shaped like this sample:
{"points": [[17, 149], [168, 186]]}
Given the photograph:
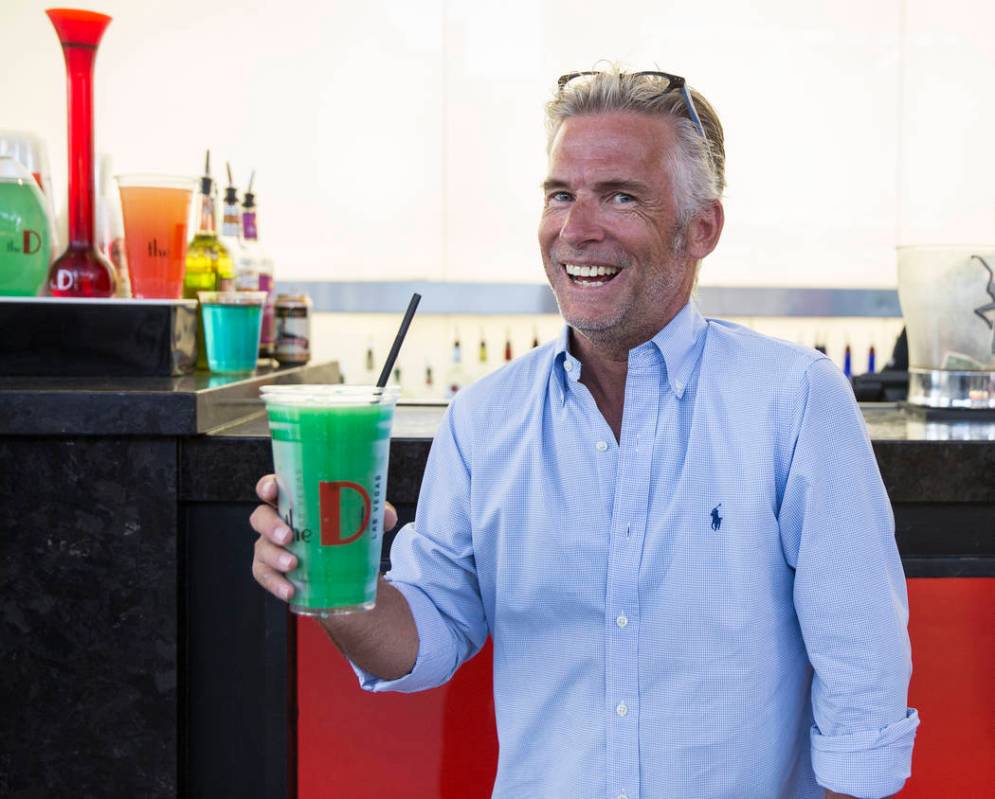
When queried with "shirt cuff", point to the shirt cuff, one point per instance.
{"points": [[870, 764], [436, 661]]}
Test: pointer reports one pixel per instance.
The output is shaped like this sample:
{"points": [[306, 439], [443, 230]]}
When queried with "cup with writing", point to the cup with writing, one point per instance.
{"points": [[155, 210], [330, 449]]}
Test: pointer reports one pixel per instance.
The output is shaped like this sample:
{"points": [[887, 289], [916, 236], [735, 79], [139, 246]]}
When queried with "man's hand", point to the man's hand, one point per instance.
{"points": [[382, 641], [272, 561]]}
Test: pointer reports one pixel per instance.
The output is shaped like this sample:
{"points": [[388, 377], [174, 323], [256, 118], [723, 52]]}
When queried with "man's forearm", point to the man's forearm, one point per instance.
{"points": [[382, 641]]}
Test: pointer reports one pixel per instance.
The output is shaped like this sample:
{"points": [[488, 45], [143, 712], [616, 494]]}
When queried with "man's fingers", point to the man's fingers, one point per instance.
{"points": [[274, 557], [266, 489], [269, 565], [272, 581], [267, 523], [389, 516]]}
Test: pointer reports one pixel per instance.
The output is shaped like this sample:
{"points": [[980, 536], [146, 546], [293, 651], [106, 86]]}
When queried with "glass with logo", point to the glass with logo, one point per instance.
{"points": [[25, 246], [155, 210], [331, 446]]}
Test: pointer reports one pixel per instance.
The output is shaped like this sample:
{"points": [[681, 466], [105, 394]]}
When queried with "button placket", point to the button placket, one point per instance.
{"points": [[634, 453]]}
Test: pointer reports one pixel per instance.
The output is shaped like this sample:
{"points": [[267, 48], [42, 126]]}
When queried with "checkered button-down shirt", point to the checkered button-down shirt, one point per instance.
{"points": [[711, 607]]}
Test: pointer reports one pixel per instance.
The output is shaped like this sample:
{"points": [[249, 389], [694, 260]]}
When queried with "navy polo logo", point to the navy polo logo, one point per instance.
{"points": [[716, 519]]}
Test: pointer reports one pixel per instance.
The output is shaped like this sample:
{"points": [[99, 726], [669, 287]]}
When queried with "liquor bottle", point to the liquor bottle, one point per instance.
{"points": [[482, 355], [507, 346], [535, 337], [871, 360], [208, 264], [847, 364], [246, 278], [455, 378], [370, 363], [264, 269], [429, 381]]}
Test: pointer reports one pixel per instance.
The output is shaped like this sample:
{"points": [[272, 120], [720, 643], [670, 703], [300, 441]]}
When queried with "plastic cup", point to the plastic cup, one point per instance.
{"points": [[155, 210], [232, 323], [331, 446]]}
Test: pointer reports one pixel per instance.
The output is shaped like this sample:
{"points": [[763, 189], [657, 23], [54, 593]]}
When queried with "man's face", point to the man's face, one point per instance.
{"points": [[609, 208]]}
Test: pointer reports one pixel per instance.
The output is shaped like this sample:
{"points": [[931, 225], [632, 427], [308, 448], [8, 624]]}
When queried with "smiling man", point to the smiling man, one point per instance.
{"points": [[673, 528]]}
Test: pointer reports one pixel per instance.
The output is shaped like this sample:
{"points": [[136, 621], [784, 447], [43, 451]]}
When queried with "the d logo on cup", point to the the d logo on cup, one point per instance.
{"points": [[330, 498], [31, 242]]}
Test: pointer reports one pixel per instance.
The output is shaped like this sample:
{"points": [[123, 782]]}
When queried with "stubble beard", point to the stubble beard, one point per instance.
{"points": [[611, 332]]}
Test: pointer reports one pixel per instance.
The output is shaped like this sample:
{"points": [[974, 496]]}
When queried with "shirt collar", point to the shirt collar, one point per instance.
{"points": [[678, 344]]}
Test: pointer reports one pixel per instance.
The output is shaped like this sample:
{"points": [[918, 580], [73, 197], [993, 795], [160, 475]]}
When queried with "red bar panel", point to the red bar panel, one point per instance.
{"points": [[438, 743], [442, 743], [952, 626]]}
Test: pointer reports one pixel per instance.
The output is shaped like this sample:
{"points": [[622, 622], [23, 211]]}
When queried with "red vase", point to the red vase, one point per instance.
{"points": [[81, 271]]}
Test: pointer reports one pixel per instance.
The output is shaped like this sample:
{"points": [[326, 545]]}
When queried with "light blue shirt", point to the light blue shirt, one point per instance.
{"points": [[713, 607]]}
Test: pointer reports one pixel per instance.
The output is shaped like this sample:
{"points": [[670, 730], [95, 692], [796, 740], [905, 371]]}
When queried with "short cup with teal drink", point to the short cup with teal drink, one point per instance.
{"points": [[232, 325], [330, 448]]}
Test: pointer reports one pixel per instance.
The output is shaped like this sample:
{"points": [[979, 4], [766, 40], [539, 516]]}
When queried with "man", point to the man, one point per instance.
{"points": [[673, 528]]}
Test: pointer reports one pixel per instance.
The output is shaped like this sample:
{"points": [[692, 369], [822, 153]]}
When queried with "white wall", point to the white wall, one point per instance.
{"points": [[397, 140]]}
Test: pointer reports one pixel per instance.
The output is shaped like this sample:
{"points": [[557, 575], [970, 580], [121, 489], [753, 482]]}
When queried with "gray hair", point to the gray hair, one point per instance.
{"points": [[697, 166]]}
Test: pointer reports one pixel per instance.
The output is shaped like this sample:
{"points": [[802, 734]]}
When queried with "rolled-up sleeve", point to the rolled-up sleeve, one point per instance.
{"points": [[433, 566], [850, 596]]}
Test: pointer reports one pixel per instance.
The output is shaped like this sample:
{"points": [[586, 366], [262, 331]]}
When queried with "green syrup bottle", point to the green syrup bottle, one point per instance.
{"points": [[208, 265]]}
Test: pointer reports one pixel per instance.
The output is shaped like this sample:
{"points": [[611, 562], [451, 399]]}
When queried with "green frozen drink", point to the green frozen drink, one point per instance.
{"points": [[330, 450]]}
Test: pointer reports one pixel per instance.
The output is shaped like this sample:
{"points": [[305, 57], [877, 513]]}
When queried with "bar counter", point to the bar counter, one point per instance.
{"points": [[135, 649]]}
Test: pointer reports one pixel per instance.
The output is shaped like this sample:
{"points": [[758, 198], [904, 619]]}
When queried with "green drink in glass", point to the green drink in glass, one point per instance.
{"points": [[330, 448], [24, 242]]}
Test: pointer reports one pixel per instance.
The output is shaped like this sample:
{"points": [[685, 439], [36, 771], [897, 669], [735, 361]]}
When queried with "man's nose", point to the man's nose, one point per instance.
{"points": [[582, 224]]}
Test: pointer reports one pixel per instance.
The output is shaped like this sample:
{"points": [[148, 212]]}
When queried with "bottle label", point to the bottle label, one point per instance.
{"points": [[249, 225], [247, 281], [293, 335]]}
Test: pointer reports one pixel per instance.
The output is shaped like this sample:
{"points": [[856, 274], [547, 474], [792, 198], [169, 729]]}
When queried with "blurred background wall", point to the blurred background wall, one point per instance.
{"points": [[398, 140]]}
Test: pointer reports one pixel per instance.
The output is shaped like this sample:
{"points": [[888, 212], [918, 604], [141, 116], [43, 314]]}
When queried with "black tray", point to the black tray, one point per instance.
{"points": [[54, 336]]}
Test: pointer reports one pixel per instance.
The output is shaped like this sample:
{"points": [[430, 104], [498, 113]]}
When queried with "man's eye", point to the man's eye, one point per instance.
{"points": [[621, 198], [559, 197]]}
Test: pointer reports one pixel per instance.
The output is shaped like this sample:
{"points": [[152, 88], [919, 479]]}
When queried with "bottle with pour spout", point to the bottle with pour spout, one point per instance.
{"points": [[243, 271], [208, 263], [263, 265]]}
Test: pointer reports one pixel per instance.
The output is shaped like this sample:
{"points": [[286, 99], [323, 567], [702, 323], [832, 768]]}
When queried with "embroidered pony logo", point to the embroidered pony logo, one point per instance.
{"points": [[716, 519]]}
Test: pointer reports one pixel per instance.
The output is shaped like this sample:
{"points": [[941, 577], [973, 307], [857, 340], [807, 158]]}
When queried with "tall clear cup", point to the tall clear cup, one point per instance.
{"points": [[155, 210], [331, 446]]}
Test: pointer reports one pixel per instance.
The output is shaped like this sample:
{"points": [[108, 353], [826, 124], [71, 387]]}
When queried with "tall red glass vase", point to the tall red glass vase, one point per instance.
{"points": [[81, 271]]}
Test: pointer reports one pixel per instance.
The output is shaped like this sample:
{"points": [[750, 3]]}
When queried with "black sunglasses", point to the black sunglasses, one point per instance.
{"points": [[674, 83]]}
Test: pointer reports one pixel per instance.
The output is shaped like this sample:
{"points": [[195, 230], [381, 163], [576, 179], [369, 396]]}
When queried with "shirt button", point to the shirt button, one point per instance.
{"points": [[568, 365], [623, 795], [621, 620], [622, 710], [601, 446]]}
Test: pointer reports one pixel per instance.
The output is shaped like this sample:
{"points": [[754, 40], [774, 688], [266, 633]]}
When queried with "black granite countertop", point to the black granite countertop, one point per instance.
{"points": [[920, 461], [141, 406], [224, 439]]}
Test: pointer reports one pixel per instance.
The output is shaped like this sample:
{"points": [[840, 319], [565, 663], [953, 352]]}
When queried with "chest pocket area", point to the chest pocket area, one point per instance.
{"points": [[725, 580]]}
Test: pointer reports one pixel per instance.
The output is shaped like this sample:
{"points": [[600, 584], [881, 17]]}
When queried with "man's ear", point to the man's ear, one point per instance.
{"points": [[704, 230]]}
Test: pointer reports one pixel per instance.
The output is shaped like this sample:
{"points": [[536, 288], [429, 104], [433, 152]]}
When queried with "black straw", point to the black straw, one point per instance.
{"points": [[395, 348]]}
